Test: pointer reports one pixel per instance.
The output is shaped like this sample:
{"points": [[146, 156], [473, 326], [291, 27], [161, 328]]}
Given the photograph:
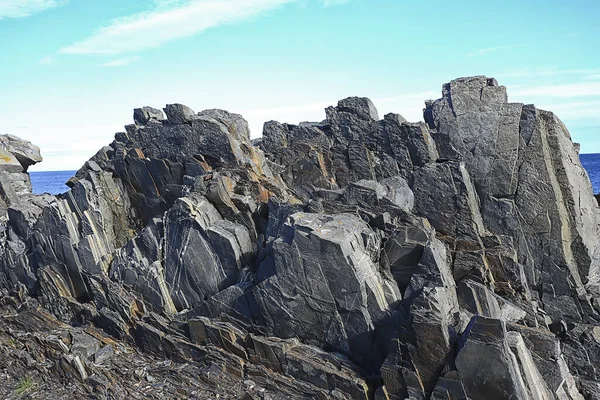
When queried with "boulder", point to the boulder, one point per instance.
{"points": [[23, 151], [179, 114], [146, 115], [323, 286]]}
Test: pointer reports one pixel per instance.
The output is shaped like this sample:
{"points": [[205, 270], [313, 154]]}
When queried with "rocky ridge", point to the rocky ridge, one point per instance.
{"points": [[357, 257]]}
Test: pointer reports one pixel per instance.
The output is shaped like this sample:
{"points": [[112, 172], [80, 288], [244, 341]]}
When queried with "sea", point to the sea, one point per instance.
{"points": [[591, 162], [53, 182]]}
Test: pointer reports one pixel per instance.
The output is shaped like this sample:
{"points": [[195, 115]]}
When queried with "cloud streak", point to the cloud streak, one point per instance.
{"points": [[569, 90], [120, 62], [548, 72], [25, 8], [481, 52], [170, 20], [580, 112]]}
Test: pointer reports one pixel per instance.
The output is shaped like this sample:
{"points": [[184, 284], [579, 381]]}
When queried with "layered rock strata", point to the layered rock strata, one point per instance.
{"points": [[357, 257]]}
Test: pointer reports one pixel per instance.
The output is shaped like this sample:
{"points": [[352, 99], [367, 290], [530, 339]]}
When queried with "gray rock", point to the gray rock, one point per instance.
{"points": [[179, 114], [25, 152], [83, 345], [360, 106], [236, 125], [9, 163], [324, 286], [146, 115], [498, 377], [350, 258]]}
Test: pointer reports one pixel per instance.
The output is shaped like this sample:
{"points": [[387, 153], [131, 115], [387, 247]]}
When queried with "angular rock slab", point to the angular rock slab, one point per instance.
{"points": [[323, 286]]}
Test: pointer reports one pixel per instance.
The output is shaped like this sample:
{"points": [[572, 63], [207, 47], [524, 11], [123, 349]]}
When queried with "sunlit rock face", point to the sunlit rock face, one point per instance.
{"points": [[356, 257]]}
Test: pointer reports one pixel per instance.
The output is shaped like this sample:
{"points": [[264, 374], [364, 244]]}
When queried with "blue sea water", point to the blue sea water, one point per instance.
{"points": [[591, 162], [53, 182]]}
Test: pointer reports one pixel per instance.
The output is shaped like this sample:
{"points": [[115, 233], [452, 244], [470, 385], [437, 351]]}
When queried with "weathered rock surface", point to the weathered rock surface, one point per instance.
{"points": [[456, 258]]}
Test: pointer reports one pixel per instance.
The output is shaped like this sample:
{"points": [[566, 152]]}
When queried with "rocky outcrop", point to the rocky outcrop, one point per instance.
{"points": [[16, 155], [354, 258]]}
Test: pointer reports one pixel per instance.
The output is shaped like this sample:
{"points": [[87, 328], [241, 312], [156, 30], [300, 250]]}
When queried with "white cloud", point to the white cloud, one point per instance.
{"points": [[120, 62], [25, 8], [521, 73], [481, 52], [580, 89], [579, 111], [59, 151], [170, 20]]}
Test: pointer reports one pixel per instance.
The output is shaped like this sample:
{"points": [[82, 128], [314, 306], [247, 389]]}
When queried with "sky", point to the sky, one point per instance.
{"points": [[72, 71]]}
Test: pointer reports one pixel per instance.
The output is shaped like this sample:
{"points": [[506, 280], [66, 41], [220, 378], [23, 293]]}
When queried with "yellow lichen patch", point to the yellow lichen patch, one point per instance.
{"points": [[139, 153], [488, 269], [205, 166], [97, 335], [426, 136], [137, 309], [5, 158], [228, 183], [202, 162], [263, 194], [58, 282], [322, 164], [254, 177], [231, 129], [256, 160], [294, 201], [46, 316]]}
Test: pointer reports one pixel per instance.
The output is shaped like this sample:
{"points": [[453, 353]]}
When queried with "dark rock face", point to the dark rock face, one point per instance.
{"points": [[456, 258]]}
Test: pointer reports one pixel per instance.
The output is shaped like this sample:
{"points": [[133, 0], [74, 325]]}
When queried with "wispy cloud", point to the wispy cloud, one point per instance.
{"points": [[569, 90], [120, 62], [481, 52], [25, 8], [593, 77], [547, 72], [578, 111], [47, 60], [170, 20]]}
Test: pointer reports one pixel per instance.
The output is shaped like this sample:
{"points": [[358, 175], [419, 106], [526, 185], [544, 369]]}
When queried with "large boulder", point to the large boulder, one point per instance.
{"points": [[322, 285], [531, 187]]}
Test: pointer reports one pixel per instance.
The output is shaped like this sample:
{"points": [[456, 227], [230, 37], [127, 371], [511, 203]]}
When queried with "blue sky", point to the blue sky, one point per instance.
{"points": [[71, 71]]}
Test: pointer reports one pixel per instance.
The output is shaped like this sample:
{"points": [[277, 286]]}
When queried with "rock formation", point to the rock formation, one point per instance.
{"points": [[357, 257]]}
